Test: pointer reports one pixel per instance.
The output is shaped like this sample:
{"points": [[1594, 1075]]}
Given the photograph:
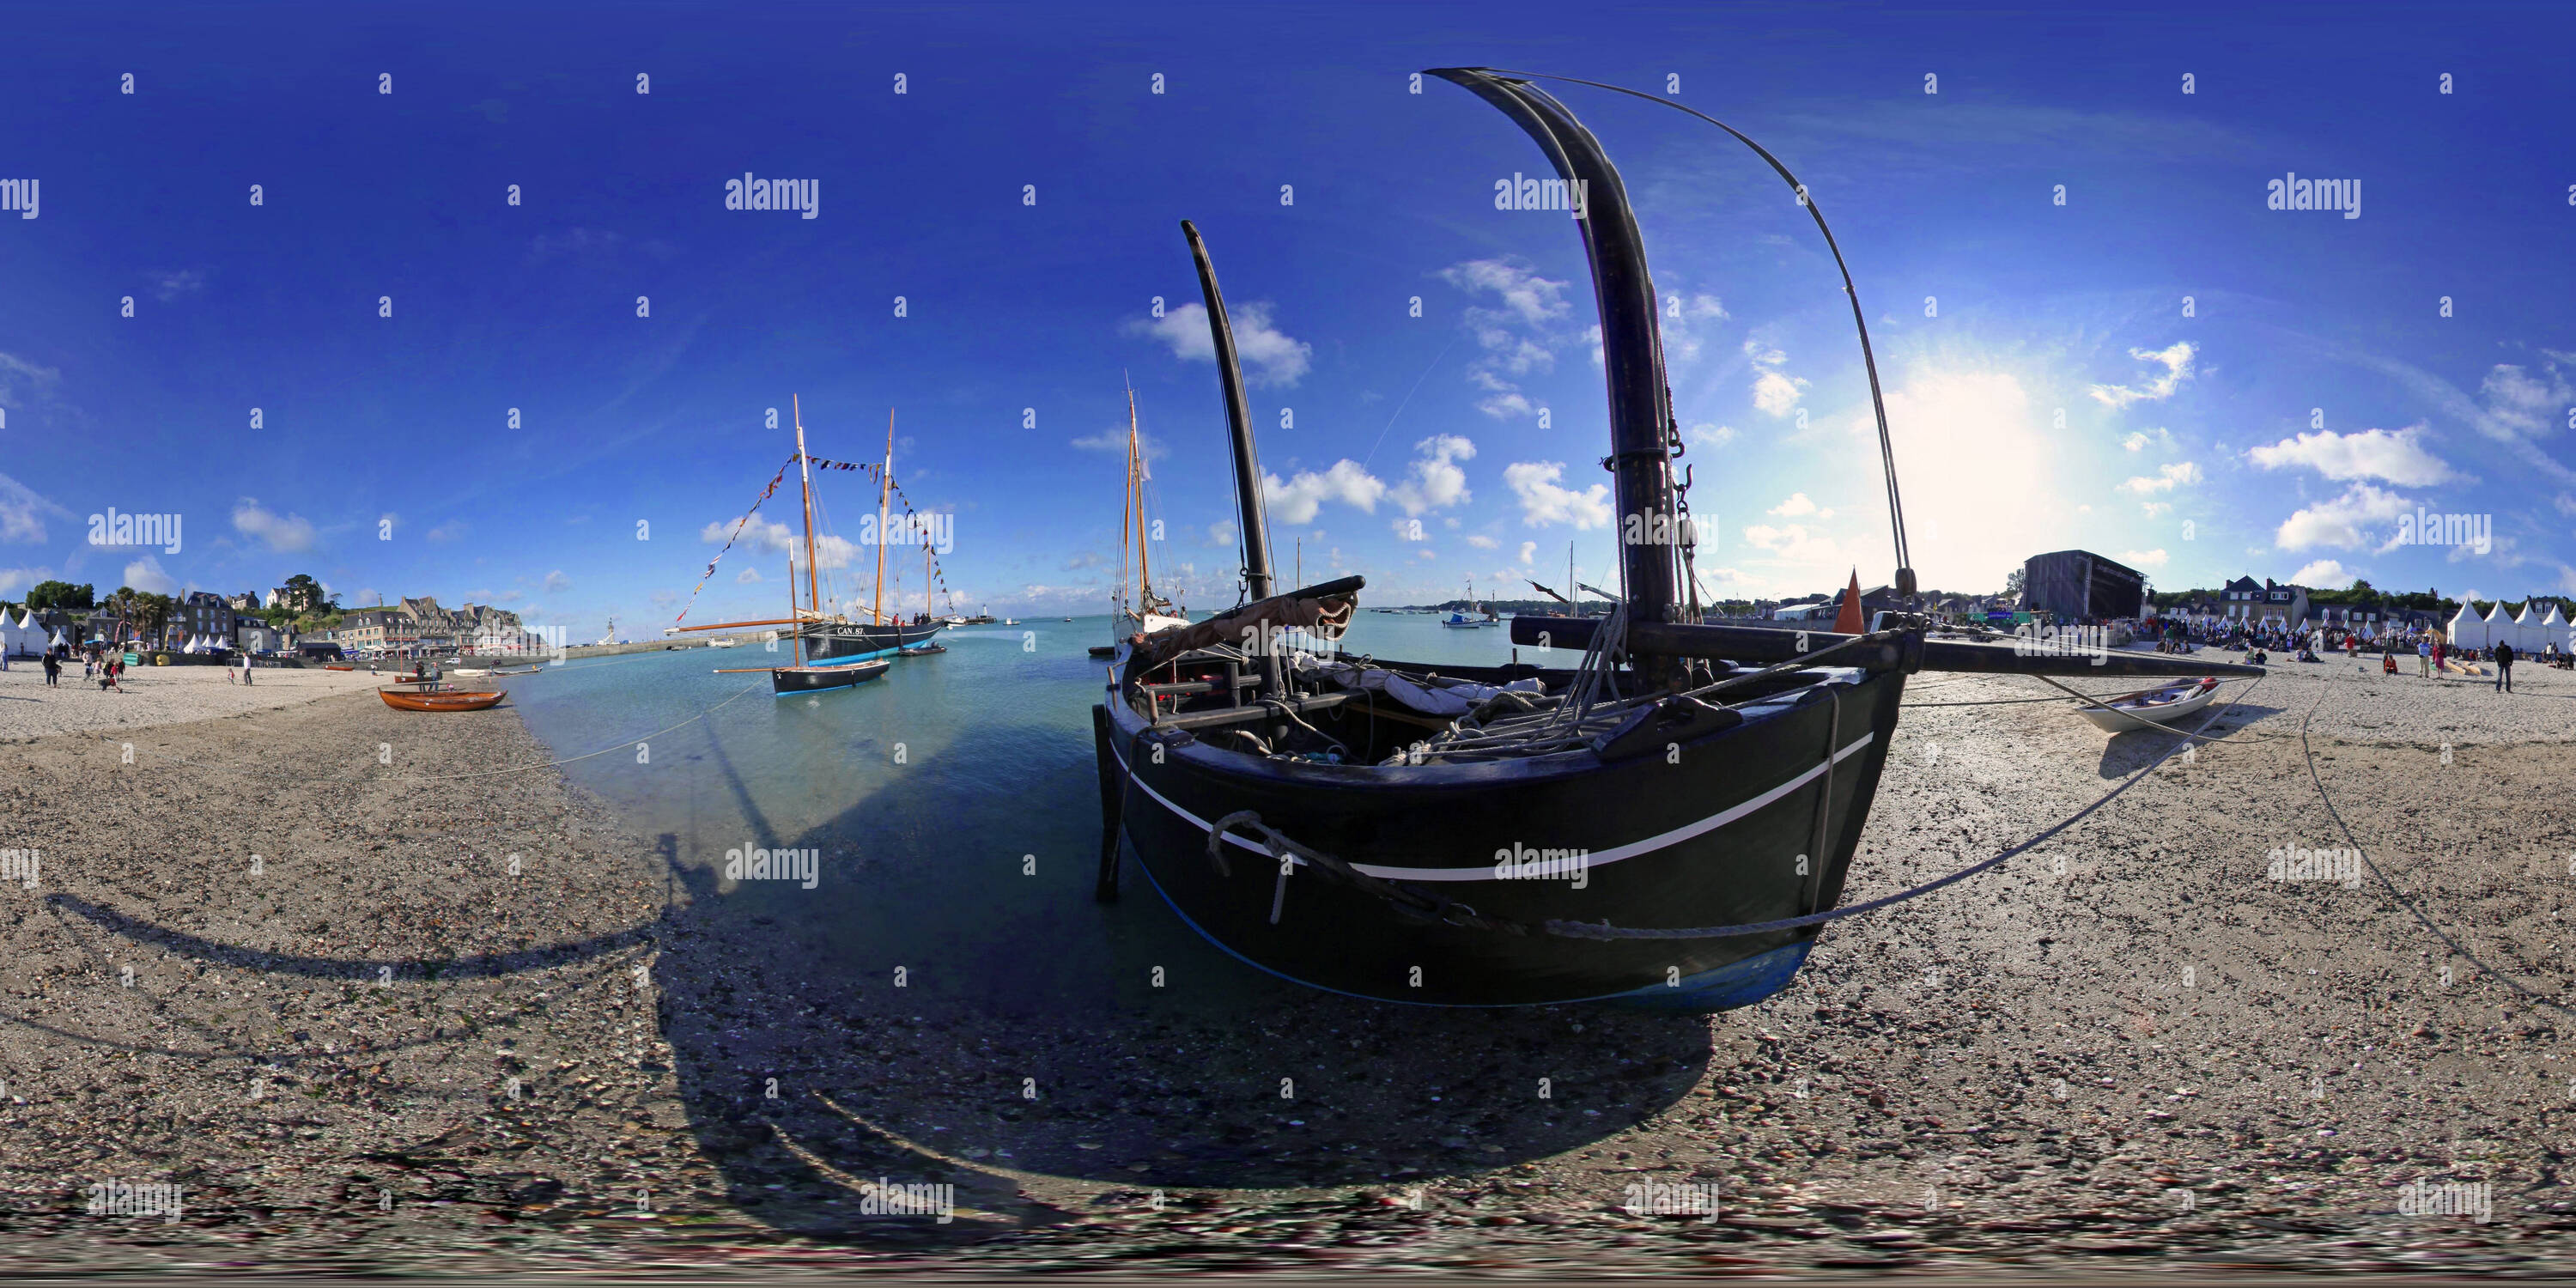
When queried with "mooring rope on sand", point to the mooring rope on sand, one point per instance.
{"points": [[619, 745], [2399, 895]]}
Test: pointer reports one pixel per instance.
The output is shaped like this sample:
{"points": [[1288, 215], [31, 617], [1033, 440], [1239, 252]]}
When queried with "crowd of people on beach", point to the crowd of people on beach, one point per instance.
{"points": [[2258, 640]]}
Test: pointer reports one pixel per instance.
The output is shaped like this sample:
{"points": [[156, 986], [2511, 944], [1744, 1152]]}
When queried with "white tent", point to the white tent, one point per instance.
{"points": [[2466, 629], [13, 641], [58, 641], [2553, 630]]}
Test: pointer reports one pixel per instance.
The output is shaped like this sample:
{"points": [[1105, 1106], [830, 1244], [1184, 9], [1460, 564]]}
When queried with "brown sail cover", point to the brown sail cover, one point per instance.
{"points": [[1321, 611]]}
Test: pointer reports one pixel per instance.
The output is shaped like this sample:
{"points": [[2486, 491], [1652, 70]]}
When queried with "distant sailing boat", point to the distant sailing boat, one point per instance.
{"points": [[1149, 613], [834, 640], [1473, 615]]}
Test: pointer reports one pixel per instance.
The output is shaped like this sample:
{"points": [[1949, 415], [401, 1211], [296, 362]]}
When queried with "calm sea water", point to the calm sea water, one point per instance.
{"points": [[953, 802]]}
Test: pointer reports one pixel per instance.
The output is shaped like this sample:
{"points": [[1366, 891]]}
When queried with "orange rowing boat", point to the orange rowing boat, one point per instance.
{"points": [[468, 701]]}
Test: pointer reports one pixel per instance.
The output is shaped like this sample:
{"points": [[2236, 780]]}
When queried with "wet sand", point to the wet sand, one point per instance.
{"points": [[2128, 1045]]}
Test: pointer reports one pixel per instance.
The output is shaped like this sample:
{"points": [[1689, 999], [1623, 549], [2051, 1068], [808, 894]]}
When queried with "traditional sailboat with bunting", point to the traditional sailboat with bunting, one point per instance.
{"points": [[826, 640]]}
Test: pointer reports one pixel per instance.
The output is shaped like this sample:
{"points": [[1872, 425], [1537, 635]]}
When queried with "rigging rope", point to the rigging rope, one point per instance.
{"points": [[1443, 908]]}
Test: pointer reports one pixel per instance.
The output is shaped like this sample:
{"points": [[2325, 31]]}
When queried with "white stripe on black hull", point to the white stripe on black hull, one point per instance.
{"points": [[1711, 841]]}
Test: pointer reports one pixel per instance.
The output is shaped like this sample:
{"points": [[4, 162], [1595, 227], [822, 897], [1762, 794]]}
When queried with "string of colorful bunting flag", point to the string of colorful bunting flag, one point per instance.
{"points": [[765, 494]]}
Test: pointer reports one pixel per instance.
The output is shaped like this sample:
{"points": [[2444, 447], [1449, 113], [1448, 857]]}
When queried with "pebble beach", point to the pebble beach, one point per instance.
{"points": [[384, 992]]}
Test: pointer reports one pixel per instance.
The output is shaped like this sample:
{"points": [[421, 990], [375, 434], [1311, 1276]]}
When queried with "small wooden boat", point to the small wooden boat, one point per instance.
{"points": [[499, 674], [810, 679], [469, 670], [332, 667], [2161, 705], [450, 700], [925, 650]]}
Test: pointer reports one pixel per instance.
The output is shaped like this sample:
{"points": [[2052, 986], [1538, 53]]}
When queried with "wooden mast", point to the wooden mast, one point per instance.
{"points": [[805, 472], [1126, 521], [791, 609], [885, 484], [1136, 486]]}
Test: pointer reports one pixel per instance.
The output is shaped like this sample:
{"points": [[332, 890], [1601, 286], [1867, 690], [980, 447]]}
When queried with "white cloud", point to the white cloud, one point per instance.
{"points": [[1221, 534], [2176, 361], [1794, 544], [747, 577], [1773, 391], [1796, 505], [1437, 481], [1269, 356], [1524, 294], [1508, 406], [2166, 479], [1702, 308], [1529, 549], [1710, 435], [283, 534], [168, 286], [2143, 558], [2156, 509], [1483, 542], [2565, 504], [448, 531], [557, 583], [22, 512], [2531, 406], [2338, 523], [2323, 574], [1114, 441], [13, 580], [2140, 441], [145, 574], [1544, 500], [2397, 457], [1296, 500]]}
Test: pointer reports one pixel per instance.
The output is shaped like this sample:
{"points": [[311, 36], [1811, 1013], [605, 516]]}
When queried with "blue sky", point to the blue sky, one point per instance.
{"points": [[2314, 395]]}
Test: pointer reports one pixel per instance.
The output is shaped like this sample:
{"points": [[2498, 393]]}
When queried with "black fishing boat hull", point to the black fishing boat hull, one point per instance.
{"points": [[845, 643], [787, 680], [1747, 824]]}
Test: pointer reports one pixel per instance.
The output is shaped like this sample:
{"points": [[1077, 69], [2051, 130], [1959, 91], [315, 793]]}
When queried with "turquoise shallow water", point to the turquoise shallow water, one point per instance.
{"points": [[953, 805]]}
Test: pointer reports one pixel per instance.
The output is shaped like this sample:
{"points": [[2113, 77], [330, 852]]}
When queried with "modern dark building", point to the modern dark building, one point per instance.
{"points": [[2079, 585]]}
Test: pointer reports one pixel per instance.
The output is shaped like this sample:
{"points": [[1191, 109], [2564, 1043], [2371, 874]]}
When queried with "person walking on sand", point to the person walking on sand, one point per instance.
{"points": [[53, 670], [2424, 657], [2504, 668], [2441, 650]]}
